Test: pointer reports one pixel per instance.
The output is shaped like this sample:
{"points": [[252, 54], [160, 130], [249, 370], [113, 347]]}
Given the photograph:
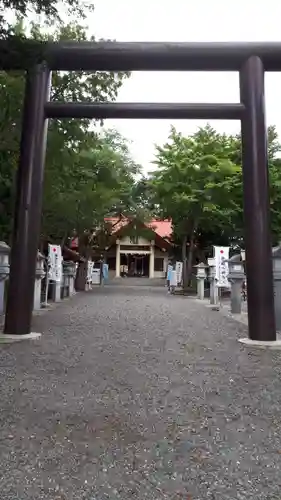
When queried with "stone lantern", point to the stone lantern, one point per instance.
{"points": [[201, 277], [276, 257], [214, 295], [4, 272], [236, 277], [56, 291], [39, 275], [69, 271]]}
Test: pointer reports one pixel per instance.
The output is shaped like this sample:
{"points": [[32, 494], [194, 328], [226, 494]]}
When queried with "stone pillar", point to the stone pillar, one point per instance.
{"points": [[236, 277], [65, 280], [56, 290], [214, 291], [201, 276], [236, 295], [69, 270], [4, 272], [39, 275], [151, 259], [200, 288], [117, 273]]}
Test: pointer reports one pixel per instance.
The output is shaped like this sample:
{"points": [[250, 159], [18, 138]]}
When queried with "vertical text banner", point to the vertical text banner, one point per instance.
{"points": [[221, 262], [179, 266], [55, 263], [90, 271]]}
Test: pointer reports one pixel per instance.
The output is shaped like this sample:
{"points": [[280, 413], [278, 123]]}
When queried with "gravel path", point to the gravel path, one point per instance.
{"points": [[135, 394]]}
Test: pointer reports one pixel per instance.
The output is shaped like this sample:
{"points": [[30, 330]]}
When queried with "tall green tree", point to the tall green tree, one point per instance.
{"points": [[97, 182], [199, 184], [70, 142], [194, 184]]}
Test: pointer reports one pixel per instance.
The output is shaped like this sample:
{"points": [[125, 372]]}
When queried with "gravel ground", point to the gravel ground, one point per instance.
{"points": [[135, 394]]}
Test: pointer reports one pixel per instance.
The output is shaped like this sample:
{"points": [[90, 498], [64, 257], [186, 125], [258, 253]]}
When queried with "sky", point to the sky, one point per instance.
{"points": [[185, 21]]}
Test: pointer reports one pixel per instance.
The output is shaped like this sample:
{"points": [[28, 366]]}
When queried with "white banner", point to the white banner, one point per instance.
{"points": [[55, 263], [221, 258], [179, 266], [90, 271], [96, 276]]}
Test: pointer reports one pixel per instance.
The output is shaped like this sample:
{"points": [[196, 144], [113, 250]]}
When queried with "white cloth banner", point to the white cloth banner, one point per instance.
{"points": [[96, 276], [221, 262], [90, 271], [55, 263], [179, 266]]}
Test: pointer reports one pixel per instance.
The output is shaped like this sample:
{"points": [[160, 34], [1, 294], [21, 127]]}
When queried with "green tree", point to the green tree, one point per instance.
{"points": [[52, 11], [98, 182], [194, 185], [199, 184], [69, 141], [274, 166]]}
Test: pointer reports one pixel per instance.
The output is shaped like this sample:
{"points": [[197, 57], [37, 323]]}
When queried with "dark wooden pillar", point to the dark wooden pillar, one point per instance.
{"points": [[256, 203], [28, 205]]}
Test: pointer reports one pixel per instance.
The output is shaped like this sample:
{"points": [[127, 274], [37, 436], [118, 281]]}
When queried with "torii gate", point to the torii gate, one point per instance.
{"points": [[250, 59]]}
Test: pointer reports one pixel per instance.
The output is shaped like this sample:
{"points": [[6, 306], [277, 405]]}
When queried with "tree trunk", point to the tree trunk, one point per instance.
{"points": [[81, 276], [184, 263], [190, 260], [84, 250], [63, 241]]}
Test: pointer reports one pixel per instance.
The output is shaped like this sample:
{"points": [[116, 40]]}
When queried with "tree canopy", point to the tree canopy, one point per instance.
{"points": [[198, 183], [52, 10], [89, 171]]}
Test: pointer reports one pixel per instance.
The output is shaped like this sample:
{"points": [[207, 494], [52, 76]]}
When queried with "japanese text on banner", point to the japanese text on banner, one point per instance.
{"points": [[221, 260], [179, 266], [55, 263]]}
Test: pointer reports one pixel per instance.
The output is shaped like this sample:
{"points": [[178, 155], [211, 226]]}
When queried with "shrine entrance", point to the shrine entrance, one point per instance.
{"points": [[134, 265], [251, 60], [138, 265]]}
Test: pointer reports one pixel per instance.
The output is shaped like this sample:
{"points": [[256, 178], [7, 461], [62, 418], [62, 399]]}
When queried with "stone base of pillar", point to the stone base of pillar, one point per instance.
{"points": [[56, 292], [261, 344], [37, 295], [7, 339], [214, 293], [200, 289], [2, 297], [71, 286], [236, 296]]}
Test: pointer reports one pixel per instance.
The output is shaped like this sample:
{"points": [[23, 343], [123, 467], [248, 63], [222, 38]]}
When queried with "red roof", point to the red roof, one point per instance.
{"points": [[161, 227]]}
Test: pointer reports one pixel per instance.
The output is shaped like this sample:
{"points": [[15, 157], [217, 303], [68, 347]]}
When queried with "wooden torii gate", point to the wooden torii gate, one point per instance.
{"points": [[39, 59]]}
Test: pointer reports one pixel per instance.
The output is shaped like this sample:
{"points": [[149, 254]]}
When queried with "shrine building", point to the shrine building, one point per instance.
{"points": [[139, 249]]}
